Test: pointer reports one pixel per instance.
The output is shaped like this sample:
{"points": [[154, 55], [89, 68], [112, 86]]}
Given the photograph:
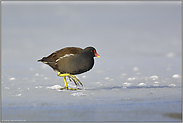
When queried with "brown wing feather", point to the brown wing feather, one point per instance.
{"points": [[51, 59], [57, 54]]}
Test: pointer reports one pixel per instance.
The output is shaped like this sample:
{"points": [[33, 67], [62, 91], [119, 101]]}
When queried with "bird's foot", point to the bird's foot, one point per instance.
{"points": [[71, 77], [75, 80], [67, 88]]}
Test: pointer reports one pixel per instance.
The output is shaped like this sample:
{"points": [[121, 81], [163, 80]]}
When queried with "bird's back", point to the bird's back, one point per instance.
{"points": [[56, 56]]}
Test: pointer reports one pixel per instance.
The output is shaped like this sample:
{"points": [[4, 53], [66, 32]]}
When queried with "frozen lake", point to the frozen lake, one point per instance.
{"points": [[109, 94], [137, 78]]}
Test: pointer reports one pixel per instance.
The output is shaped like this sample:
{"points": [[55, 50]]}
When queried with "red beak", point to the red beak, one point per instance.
{"points": [[97, 55]]}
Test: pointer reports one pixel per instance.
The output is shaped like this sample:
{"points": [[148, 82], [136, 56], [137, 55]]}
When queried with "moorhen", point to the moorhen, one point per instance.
{"points": [[70, 61]]}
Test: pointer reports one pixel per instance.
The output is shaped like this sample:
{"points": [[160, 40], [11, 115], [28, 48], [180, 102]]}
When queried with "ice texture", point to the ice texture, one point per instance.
{"points": [[137, 78]]}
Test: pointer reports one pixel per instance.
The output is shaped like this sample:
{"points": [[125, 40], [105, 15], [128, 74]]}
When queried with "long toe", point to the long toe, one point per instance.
{"points": [[75, 82], [64, 88], [72, 89], [67, 88], [76, 79]]}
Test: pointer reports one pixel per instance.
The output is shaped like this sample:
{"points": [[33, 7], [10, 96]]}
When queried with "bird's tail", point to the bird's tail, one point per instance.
{"points": [[45, 60], [39, 60]]}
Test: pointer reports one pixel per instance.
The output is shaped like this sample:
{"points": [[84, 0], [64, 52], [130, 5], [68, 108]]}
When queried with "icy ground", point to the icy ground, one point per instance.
{"points": [[137, 78], [149, 90]]}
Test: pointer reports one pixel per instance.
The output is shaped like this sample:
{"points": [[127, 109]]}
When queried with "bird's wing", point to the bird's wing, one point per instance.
{"points": [[52, 59], [55, 56]]}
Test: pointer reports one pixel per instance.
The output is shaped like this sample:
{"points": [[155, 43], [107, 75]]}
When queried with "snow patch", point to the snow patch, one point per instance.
{"points": [[135, 69], [155, 85], [12, 78], [156, 82], [38, 86], [154, 77], [107, 78], [176, 76], [78, 94], [130, 79], [18, 95], [127, 84], [170, 55], [54, 87], [172, 85], [83, 76], [141, 84], [122, 75], [7, 88]]}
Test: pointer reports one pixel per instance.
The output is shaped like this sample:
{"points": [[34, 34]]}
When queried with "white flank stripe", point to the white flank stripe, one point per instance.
{"points": [[66, 55]]}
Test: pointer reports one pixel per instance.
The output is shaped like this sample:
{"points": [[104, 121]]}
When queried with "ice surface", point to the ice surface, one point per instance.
{"points": [[105, 96], [137, 78], [121, 95]]}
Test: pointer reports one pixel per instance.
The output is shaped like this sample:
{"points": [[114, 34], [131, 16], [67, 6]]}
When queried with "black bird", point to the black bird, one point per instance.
{"points": [[70, 61]]}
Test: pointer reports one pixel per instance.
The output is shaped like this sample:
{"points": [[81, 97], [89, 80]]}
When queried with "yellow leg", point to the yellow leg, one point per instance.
{"points": [[66, 85], [74, 78]]}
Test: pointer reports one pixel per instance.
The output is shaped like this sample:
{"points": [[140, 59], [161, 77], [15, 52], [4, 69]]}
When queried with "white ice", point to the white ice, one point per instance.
{"points": [[176, 76]]}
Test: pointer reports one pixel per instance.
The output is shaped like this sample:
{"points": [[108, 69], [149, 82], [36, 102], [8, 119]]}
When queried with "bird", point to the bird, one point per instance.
{"points": [[70, 61]]}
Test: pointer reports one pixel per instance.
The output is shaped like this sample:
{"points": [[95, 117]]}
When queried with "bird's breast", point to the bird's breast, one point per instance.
{"points": [[74, 64]]}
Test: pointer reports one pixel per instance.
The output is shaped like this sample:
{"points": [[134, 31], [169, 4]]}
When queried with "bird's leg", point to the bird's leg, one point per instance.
{"points": [[66, 85]]}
